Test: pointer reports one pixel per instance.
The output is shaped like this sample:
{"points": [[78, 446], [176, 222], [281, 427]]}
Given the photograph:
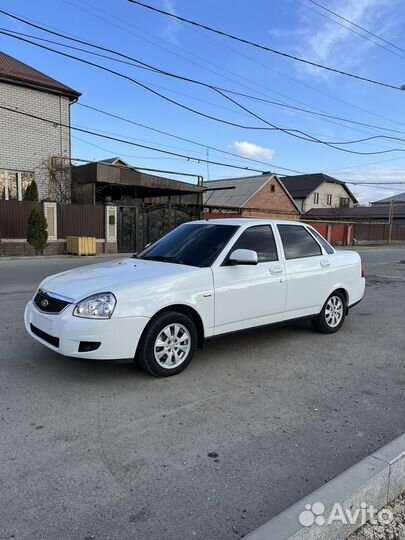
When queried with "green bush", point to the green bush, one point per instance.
{"points": [[31, 193], [37, 234]]}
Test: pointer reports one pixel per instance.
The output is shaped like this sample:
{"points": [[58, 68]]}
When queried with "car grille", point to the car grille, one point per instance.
{"points": [[43, 335], [48, 304]]}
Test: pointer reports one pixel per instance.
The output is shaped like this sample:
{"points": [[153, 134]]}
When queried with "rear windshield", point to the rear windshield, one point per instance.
{"points": [[194, 244]]}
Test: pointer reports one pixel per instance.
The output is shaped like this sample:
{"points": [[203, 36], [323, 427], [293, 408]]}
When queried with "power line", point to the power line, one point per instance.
{"points": [[347, 27], [240, 53], [222, 68], [263, 47], [357, 25], [203, 145], [292, 132], [365, 165], [188, 158], [211, 87], [139, 64], [124, 141]]}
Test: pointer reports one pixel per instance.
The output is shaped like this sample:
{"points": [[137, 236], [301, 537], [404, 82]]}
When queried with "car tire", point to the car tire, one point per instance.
{"points": [[167, 345], [332, 315]]}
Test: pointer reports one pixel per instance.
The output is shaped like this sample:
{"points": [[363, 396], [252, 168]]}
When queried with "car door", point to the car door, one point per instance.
{"points": [[307, 271], [250, 295]]}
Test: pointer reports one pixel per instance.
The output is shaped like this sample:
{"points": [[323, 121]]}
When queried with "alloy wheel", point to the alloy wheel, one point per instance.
{"points": [[172, 345]]}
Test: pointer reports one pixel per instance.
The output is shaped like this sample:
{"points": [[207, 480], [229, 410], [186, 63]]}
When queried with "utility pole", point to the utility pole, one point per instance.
{"points": [[208, 164], [390, 220]]}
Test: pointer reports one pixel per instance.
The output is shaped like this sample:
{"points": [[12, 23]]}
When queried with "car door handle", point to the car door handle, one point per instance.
{"points": [[325, 264], [276, 270]]}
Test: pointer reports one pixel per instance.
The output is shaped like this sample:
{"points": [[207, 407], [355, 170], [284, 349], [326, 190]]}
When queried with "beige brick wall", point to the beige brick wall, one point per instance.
{"points": [[325, 189], [26, 143]]}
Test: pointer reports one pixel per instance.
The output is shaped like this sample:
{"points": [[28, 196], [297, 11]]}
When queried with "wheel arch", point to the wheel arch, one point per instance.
{"points": [[342, 290], [185, 310]]}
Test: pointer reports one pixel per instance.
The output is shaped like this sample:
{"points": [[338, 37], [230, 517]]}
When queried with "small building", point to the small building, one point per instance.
{"points": [[318, 191], [261, 196], [394, 199], [28, 144], [143, 207]]}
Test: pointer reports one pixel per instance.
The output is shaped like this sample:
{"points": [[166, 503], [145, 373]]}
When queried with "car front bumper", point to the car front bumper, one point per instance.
{"points": [[63, 333]]}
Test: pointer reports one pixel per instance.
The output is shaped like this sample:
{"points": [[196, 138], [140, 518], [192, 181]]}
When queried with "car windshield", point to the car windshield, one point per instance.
{"points": [[193, 244]]}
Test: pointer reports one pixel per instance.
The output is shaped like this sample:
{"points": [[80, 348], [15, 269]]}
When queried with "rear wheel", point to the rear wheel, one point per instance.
{"points": [[167, 345], [332, 315]]}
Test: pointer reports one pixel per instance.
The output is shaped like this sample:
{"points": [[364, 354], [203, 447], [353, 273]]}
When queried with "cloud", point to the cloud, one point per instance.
{"points": [[251, 150], [172, 27], [376, 173], [326, 42]]}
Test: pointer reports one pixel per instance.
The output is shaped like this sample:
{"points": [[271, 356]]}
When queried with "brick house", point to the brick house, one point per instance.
{"points": [[263, 196], [28, 144], [319, 191]]}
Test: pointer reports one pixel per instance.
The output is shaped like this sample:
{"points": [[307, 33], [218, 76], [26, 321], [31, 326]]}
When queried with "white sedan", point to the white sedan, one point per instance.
{"points": [[203, 279]]}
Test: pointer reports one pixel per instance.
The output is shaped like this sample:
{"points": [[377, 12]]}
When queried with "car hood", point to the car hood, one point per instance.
{"points": [[111, 276]]}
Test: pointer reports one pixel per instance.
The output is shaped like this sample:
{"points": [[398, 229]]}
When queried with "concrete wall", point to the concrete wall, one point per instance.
{"points": [[26, 143], [326, 188]]}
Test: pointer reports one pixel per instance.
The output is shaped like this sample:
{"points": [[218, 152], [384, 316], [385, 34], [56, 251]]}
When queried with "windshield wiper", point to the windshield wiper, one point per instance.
{"points": [[163, 258]]}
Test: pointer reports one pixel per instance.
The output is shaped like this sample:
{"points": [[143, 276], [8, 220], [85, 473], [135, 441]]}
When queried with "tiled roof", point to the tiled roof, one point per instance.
{"points": [[14, 71]]}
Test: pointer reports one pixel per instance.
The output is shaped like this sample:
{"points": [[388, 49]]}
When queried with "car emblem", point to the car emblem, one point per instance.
{"points": [[44, 303]]}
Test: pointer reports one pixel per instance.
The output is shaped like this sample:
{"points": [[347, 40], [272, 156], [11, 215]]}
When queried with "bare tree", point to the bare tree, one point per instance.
{"points": [[59, 180]]}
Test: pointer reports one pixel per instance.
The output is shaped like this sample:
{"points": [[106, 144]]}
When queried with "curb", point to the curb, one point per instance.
{"points": [[376, 480]]}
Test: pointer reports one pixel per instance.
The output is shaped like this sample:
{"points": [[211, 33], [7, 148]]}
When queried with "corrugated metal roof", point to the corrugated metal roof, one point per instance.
{"points": [[237, 193], [400, 198], [14, 71], [356, 213]]}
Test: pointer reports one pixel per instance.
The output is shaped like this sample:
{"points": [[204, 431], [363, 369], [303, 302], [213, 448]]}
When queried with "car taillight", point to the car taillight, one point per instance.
{"points": [[362, 271]]}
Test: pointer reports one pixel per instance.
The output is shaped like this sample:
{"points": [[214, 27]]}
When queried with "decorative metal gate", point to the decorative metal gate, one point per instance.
{"points": [[140, 225]]}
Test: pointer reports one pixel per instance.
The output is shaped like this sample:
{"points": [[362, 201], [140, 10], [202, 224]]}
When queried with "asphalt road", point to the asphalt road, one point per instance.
{"points": [[102, 451]]}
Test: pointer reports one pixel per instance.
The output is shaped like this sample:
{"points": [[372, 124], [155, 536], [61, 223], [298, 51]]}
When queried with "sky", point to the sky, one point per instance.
{"points": [[297, 27]]}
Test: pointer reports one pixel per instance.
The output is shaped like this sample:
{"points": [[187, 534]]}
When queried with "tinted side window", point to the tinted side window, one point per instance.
{"points": [[326, 246], [298, 242], [194, 244], [259, 239]]}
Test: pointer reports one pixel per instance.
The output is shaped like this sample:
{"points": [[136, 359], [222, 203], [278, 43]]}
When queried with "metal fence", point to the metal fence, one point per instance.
{"points": [[373, 232], [14, 217], [81, 220]]}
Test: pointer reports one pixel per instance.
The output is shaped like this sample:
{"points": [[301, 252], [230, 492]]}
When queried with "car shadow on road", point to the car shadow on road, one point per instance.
{"points": [[221, 349]]}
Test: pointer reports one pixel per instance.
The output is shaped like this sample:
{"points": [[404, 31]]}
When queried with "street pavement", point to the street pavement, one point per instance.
{"points": [[258, 420]]}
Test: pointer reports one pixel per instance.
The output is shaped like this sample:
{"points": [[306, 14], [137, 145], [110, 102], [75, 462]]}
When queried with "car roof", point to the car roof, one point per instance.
{"points": [[247, 221]]}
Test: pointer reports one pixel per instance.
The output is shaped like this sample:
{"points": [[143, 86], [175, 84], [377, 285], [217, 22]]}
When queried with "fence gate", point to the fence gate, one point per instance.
{"points": [[140, 225], [127, 228]]}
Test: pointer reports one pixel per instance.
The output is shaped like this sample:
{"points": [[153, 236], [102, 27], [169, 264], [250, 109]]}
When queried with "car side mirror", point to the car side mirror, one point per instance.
{"points": [[243, 256]]}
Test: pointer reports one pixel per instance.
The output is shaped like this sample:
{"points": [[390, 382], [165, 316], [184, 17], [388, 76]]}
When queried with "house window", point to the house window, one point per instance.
{"points": [[329, 199], [316, 198], [14, 183], [272, 188], [344, 202]]}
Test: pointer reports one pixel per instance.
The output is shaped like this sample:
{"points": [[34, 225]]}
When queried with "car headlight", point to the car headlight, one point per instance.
{"points": [[96, 306]]}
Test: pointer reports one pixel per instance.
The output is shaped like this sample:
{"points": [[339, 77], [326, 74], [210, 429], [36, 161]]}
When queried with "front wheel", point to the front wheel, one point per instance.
{"points": [[167, 345], [332, 315]]}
